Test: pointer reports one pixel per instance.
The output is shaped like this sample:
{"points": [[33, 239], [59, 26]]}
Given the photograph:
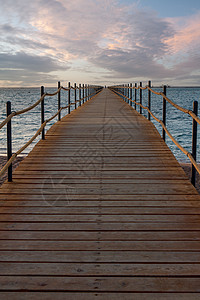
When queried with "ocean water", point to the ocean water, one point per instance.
{"points": [[24, 126]]}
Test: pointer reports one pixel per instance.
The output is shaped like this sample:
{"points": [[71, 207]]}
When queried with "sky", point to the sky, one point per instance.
{"points": [[104, 42]]}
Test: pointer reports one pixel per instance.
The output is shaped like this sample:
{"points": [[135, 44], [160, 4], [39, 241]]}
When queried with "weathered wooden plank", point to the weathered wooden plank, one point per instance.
{"points": [[122, 161], [64, 235], [128, 284], [98, 256], [113, 197], [90, 182], [68, 210], [92, 295], [99, 226], [99, 218], [98, 245], [108, 172], [91, 166], [172, 204], [138, 189], [51, 183], [98, 269]]}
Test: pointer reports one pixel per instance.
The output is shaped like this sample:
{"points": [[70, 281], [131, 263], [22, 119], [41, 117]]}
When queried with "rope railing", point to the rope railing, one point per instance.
{"points": [[184, 110], [129, 99], [17, 113], [5, 121], [90, 91], [54, 94], [65, 89], [9, 162], [20, 112]]}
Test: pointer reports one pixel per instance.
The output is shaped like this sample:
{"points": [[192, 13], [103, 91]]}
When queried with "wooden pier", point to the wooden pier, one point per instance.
{"points": [[100, 209]]}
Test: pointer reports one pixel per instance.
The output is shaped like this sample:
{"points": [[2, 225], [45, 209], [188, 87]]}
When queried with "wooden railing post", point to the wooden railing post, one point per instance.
{"points": [[86, 93], [194, 141], [149, 101], [141, 98], [128, 93], [42, 112], [124, 92], [135, 96], [69, 98], [164, 112], [75, 95], [80, 94], [83, 93], [131, 94], [9, 140], [59, 98]]}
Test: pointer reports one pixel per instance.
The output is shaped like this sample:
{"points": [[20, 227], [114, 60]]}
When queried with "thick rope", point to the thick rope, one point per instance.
{"points": [[7, 120], [54, 94], [65, 89], [17, 113]]}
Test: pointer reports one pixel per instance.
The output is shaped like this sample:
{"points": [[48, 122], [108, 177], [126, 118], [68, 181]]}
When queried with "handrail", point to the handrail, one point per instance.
{"points": [[9, 162], [191, 113], [17, 113], [184, 110], [54, 94], [6, 120], [43, 125], [65, 89]]}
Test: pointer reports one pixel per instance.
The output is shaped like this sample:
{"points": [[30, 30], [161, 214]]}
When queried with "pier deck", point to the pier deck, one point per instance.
{"points": [[100, 210]]}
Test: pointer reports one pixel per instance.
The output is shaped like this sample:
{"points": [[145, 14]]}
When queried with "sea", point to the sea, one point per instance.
{"points": [[24, 126]]}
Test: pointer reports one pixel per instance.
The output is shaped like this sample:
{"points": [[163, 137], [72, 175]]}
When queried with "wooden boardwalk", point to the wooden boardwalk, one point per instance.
{"points": [[100, 210]]}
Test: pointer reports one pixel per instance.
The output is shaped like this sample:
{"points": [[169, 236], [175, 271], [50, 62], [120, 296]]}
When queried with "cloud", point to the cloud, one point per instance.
{"points": [[130, 64], [32, 63], [24, 77], [187, 34], [28, 69], [117, 40]]}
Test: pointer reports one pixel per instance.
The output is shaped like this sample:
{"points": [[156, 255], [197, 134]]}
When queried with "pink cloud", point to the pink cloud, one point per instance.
{"points": [[187, 36]]}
